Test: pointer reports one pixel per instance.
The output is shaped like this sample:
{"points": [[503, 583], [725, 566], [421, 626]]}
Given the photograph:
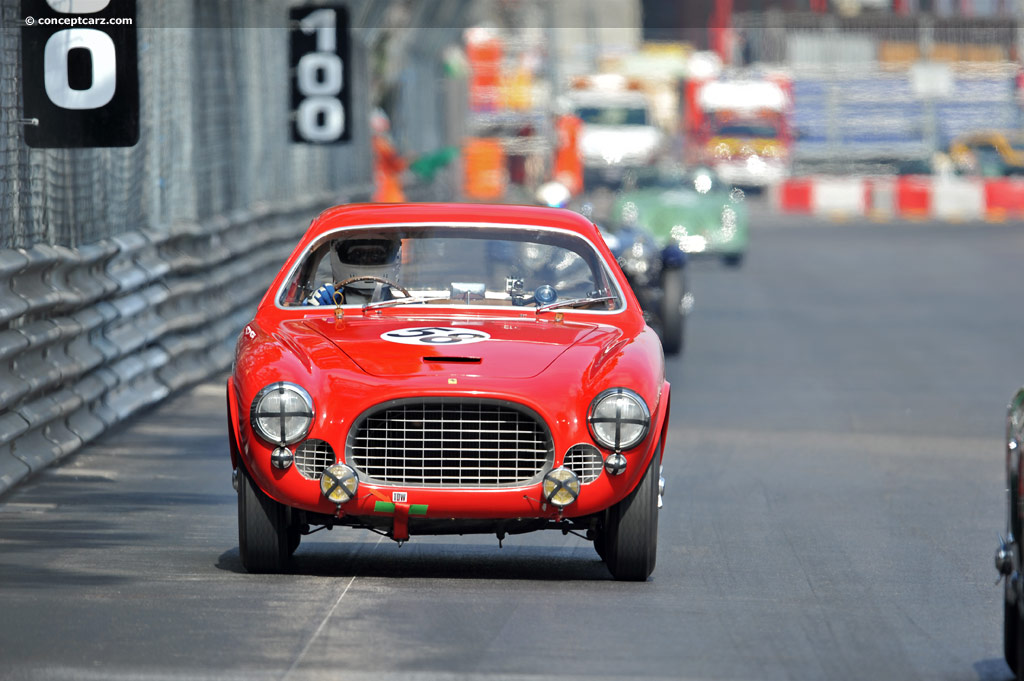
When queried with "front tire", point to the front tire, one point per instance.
{"points": [[1012, 631], [630, 538], [732, 259], [263, 537], [673, 321], [1013, 627]]}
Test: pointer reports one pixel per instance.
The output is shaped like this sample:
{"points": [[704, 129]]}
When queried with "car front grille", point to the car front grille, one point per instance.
{"points": [[450, 442]]}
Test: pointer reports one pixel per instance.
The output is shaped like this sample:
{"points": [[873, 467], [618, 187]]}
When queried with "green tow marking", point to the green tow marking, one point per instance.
{"points": [[387, 507]]}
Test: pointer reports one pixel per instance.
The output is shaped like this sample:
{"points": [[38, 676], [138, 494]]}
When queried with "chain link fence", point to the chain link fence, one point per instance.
{"points": [[214, 132], [126, 273]]}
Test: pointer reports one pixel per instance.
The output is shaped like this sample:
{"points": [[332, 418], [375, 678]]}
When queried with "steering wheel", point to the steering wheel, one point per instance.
{"points": [[368, 277]]}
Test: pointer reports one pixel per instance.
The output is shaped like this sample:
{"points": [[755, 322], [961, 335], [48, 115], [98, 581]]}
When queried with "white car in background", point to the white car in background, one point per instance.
{"points": [[618, 133]]}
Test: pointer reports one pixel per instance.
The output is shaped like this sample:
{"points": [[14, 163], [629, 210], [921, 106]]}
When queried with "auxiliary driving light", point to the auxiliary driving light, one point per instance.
{"points": [[615, 464], [281, 458], [561, 487], [338, 483]]}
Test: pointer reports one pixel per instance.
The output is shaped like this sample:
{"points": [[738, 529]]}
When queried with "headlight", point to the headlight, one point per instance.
{"points": [[282, 413], [618, 419]]}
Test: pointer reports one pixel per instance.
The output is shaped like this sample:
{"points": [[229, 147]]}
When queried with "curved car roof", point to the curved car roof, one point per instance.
{"points": [[350, 215]]}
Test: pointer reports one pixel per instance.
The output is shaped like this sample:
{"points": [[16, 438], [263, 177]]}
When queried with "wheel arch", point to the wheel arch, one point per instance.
{"points": [[663, 417], [232, 416]]}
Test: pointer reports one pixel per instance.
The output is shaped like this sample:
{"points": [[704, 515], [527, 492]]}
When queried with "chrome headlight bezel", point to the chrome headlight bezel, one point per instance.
{"points": [[280, 436], [598, 416]]}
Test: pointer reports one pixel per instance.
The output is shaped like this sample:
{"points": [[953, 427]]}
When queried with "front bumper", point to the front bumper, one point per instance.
{"points": [[291, 488]]}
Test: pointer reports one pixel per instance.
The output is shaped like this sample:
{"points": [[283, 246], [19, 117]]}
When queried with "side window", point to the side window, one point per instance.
{"points": [[308, 277], [323, 273]]}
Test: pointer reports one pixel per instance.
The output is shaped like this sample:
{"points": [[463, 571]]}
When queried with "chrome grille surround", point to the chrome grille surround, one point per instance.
{"points": [[312, 457], [585, 461], [450, 442]]}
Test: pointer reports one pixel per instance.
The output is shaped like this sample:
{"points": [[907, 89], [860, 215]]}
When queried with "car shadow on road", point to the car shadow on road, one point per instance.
{"points": [[437, 560]]}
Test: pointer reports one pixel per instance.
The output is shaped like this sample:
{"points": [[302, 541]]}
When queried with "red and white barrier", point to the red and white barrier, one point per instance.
{"points": [[912, 197]]}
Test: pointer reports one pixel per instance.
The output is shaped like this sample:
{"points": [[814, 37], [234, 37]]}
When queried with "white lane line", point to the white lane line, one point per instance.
{"points": [[323, 623], [316, 634]]}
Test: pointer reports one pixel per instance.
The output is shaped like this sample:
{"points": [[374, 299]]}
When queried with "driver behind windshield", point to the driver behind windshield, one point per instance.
{"points": [[357, 268]]}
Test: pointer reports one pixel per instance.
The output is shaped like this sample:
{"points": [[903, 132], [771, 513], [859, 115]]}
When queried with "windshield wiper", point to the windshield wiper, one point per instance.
{"points": [[573, 302], [403, 301]]}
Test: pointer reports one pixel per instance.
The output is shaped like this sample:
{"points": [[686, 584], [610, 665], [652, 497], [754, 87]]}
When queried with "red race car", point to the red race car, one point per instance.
{"points": [[449, 369]]}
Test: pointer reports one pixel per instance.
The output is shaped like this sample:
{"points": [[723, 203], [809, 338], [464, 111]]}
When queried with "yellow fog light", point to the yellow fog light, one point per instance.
{"points": [[561, 487], [338, 483]]}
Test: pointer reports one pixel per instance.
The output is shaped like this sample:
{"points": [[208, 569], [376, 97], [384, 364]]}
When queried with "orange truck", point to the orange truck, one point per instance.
{"points": [[740, 128]]}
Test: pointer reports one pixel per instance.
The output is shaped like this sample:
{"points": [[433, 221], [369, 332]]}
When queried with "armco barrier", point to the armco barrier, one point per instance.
{"points": [[93, 334], [911, 197]]}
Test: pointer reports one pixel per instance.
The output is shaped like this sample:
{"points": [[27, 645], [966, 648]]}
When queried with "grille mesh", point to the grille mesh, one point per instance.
{"points": [[450, 443], [585, 461], [312, 457]]}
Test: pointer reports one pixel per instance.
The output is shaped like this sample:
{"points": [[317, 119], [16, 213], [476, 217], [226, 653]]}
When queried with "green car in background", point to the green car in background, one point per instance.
{"points": [[690, 209]]}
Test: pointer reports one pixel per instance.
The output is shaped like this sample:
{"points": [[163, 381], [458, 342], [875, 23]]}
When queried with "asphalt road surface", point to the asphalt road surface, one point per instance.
{"points": [[835, 485]]}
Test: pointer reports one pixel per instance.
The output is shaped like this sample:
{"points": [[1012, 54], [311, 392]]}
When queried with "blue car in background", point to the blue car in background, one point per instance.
{"points": [[657, 274], [658, 278]]}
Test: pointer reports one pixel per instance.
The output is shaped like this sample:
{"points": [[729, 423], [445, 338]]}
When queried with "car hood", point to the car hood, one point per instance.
{"points": [[403, 347]]}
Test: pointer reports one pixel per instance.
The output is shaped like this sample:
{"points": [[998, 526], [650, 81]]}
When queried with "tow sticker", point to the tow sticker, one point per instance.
{"points": [[435, 335]]}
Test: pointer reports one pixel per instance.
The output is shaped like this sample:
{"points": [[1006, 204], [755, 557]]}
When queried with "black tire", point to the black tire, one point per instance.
{"points": [[294, 539], [673, 321], [600, 535], [1011, 633], [263, 536], [631, 531], [732, 259], [1013, 628]]}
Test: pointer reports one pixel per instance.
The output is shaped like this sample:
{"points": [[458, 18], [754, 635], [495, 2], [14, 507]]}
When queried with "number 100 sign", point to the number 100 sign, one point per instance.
{"points": [[320, 74]]}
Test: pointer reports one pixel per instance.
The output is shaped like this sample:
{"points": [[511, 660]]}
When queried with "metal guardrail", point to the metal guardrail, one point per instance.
{"points": [[126, 273], [96, 333]]}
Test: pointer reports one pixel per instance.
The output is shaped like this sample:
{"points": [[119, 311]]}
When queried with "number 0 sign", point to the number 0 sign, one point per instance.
{"points": [[80, 73], [319, 61]]}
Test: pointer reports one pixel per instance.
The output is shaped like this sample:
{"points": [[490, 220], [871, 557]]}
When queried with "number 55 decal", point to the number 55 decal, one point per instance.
{"points": [[435, 335]]}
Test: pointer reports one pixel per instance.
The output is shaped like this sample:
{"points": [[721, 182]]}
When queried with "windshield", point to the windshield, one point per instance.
{"points": [[490, 266], [701, 180], [747, 130], [612, 115]]}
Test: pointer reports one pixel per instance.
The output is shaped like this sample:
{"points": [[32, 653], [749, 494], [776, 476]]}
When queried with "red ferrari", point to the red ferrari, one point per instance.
{"points": [[449, 369]]}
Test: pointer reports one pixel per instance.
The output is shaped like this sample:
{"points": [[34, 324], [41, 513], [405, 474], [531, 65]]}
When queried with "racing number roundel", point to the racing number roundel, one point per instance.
{"points": [[435, 335]]}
